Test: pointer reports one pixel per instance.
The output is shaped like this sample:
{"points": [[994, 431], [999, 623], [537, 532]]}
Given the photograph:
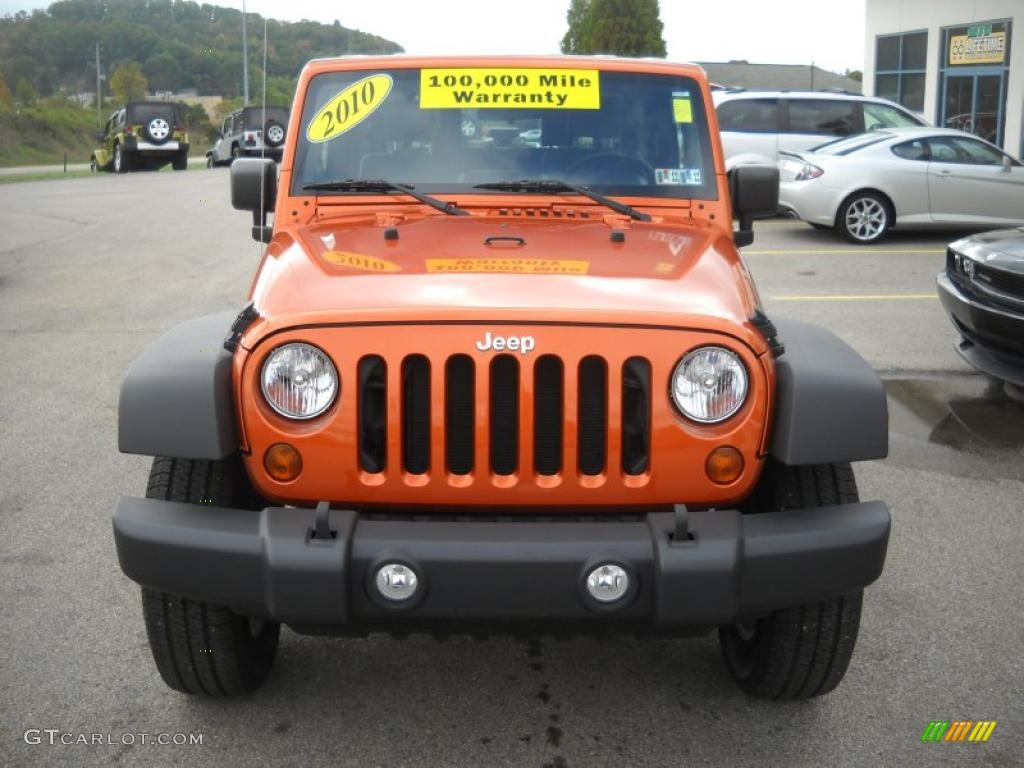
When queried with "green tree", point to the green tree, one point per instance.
{"points": [[128, 83], [6, 99], [855, 74], [194, 116], [576, 17], [620, 27], [225, 107], [24, 93]]}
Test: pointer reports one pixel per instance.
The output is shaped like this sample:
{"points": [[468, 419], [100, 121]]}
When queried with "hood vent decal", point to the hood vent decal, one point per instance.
{"points": [[542, 213]]}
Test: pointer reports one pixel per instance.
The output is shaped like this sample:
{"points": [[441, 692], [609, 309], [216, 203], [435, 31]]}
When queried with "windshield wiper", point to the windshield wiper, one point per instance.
{"points": [[555, 185], [380, 185]]}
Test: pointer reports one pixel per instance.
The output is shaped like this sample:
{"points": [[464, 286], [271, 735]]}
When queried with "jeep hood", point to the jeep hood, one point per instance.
{"points": [[506, 268]]}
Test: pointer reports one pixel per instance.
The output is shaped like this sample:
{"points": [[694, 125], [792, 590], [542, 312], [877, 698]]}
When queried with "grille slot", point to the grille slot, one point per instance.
{"points": [[504, 414], [636, 416], [416, 414], [592, 415], [547, 415], [549, 393], [373, 422], [459, 414]]}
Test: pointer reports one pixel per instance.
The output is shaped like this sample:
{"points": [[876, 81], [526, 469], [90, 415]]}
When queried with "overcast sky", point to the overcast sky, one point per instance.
{"points": [[827, 32]]}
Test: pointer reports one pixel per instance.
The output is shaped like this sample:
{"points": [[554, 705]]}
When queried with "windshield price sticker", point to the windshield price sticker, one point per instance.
{"points": [[348, 108], [682, 110], [515, 88]]}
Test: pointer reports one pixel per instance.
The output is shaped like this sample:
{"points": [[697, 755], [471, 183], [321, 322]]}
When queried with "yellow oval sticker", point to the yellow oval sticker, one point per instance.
{"points": [[349, 108], [361, 261]]}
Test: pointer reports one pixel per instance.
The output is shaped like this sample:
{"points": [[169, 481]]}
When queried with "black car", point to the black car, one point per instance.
{"points": [[982, 288]]}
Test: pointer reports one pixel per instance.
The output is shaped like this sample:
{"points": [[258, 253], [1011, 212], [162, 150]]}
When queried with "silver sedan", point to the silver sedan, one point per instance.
{"points": [[910, 178]]}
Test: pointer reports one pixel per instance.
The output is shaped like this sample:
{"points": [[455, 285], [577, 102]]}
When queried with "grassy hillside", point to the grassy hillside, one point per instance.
{"points": [[43, 132], [178, 44]]}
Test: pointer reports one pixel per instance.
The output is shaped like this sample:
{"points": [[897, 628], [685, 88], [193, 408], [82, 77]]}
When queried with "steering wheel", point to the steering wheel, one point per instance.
{"points": [[611, 168]]}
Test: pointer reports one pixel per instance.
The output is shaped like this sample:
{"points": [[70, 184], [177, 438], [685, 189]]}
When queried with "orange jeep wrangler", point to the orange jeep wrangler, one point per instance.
{"points": [[503, 370]]}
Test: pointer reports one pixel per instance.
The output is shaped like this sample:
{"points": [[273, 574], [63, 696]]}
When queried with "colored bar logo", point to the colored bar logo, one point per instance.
{"points": [[958, 730]]}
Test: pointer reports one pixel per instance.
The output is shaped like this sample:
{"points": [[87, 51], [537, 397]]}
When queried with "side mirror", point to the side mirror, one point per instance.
{"points": [[254, 188], [755, 192]]}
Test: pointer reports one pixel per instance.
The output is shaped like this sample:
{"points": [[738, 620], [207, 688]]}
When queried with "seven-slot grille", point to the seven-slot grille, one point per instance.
{"points": [[483, 410]]}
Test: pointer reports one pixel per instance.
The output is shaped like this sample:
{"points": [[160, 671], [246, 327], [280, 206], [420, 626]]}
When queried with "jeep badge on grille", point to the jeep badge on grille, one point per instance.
{"points": [[521, 344]]}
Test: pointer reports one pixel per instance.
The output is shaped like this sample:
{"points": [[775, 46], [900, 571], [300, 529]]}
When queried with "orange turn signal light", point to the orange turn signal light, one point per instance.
{"points": [[724, 465], [283, 462]]}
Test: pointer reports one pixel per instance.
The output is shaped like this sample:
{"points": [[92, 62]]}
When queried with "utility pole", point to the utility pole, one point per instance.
{"points": [[245, 60], [99, 95]]}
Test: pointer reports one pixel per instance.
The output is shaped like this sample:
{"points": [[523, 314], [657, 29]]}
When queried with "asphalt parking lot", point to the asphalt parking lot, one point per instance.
{"points": [[93, 269]]}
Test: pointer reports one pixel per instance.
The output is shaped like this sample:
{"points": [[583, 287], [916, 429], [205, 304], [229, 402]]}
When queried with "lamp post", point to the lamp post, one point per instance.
{"points": [[245, 60], [99, 97]]}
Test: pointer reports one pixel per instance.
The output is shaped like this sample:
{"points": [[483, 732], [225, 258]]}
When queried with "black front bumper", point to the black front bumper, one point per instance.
{"points": [[270, 563], [992, 338]]}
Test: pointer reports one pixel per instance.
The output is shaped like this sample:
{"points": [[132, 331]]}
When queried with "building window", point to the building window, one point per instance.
{"points": [[973, 75], [900, 62]]}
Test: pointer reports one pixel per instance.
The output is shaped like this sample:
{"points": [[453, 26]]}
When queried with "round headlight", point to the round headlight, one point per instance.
{"points": [[299, 381], [709, 384]]}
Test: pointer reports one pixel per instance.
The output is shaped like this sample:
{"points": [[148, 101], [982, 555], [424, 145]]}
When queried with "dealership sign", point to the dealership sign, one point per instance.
{"points": [[979, 46]]}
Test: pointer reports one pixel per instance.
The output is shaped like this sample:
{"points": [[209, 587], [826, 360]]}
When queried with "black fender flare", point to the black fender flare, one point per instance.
{"points": [[830, 405], [176, 398]]}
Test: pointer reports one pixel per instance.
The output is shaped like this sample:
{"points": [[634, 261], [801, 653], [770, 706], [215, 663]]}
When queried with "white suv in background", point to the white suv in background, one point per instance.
{"points": [[757, 125]]}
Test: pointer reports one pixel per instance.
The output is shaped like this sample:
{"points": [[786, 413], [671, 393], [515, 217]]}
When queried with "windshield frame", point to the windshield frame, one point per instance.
{"points": [[676, 79]]}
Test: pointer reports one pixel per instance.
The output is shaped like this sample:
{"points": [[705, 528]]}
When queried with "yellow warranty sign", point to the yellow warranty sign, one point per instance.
{"points": [[349, 108], [510, 266], [360, 261], [502, 87]]}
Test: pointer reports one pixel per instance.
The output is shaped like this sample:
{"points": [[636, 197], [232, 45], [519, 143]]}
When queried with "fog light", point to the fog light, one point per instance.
{"points": [[283, 462], [724, 465], [396, 582], [608, 583]]}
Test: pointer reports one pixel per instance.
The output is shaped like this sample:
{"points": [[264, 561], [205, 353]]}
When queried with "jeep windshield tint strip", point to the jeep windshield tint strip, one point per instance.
{"points": [[450, 130]]}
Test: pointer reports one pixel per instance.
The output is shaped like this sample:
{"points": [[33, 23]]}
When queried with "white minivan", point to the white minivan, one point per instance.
{"points": [[757, 125]]}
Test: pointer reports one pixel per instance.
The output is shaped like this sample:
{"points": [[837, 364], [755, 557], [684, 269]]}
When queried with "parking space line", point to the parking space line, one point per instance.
{"points": [[862, 251], [857, 297]]}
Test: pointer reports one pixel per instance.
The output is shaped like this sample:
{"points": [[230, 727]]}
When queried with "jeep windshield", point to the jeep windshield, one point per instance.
{"points": [[454, 129]]}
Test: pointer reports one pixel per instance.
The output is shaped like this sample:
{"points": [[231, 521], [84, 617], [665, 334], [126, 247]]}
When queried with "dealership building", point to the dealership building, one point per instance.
{"points": [[953, 61]]}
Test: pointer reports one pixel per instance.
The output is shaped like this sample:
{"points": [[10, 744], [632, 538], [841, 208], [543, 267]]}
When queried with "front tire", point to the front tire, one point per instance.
{"points": [[864, 218], [202, 648], [803, 651]]}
